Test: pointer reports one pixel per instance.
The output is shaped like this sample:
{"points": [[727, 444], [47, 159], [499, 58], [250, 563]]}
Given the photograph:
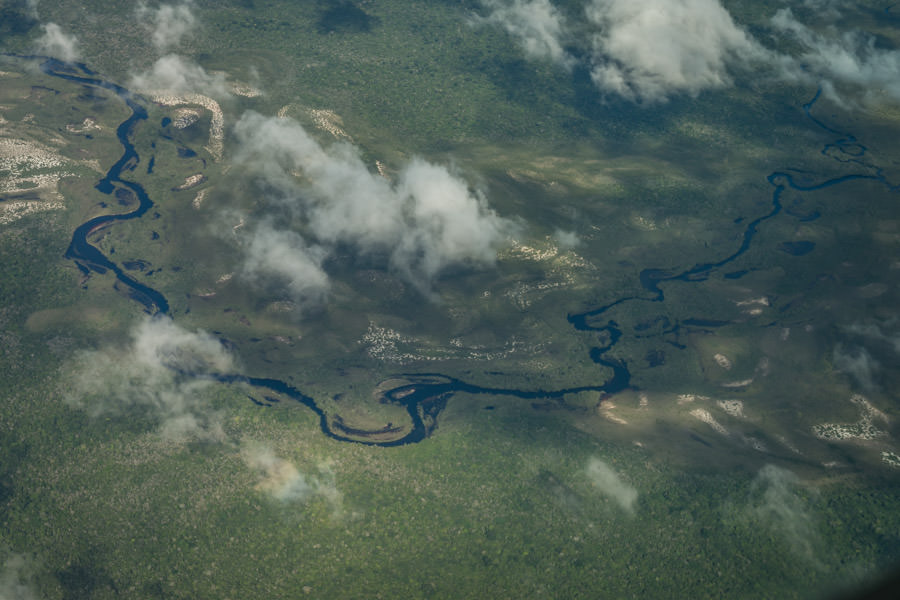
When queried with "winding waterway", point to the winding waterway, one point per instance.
{"points": [[424, 395]]}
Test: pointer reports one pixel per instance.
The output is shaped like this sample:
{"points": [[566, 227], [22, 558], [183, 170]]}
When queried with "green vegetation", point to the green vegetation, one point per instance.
{"points": [[705, 478]]}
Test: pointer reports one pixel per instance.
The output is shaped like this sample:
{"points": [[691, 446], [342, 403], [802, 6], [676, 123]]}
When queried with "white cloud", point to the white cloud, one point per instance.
{"points": [[283, 255], [172, 73], [566, 239], [445, 223], [427, 221], [16, 579], [175, 74], [167, 24], [843, 58], [58, 44], [537, 25], [156, 373], [610, 484], [649, 50]]}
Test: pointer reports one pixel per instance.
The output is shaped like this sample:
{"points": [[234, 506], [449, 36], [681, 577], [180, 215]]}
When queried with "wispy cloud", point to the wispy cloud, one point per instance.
{"points": [[828, 9], [845, 58], [283, 255], [176, 74], [610, 484], [284, 482], [58, 44], [886, 332], [167, 24], [652, 50], [566, 239], [858, 363], [155, 373], [868, 346], [649, 50], [780, 501], [426, 221], [537, 25], [16, 579], [173, 73], [31, 8], [642, 51]]}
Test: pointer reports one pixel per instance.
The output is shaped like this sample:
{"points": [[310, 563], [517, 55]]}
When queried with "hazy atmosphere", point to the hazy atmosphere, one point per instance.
{"points": [[405, 299]]}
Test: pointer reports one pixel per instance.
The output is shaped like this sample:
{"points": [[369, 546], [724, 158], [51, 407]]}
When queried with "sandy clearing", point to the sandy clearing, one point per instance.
{"points": [[33, 168], [247, 91], [738, 384], [705, 416], [191, 181], [323, 118], [891, 459], [864, 429], [383, 343], [723, 361], [762, 300], [13, 211], [89, 124], [605, 409], [686, 398], [198, 199], [328, 120], [46, 184], [542, 251], [644, 223], [733, 408], [19, 156], [283, 111], [185, 117]]}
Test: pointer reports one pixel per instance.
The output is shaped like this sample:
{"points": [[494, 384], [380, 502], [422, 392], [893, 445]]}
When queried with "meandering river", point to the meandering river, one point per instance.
{"points": [[425, 395]]}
